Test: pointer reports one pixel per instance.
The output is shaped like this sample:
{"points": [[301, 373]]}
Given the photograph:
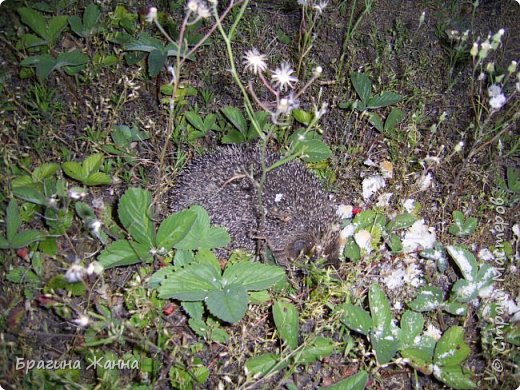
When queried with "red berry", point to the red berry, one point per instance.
{"points": [[168, 308]]}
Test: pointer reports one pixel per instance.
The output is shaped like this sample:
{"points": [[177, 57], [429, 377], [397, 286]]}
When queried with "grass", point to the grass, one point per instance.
{"points": [[91, 149]]}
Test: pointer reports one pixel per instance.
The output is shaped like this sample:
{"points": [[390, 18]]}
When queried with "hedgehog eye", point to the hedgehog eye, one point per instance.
{"points": [[299, 247]]}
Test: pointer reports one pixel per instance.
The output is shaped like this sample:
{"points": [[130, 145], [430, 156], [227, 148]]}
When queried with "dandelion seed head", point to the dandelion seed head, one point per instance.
{"points": [[254, 61], [282, 76]]}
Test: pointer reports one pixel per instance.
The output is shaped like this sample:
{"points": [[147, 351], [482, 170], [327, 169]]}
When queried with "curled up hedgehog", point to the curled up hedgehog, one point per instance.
{"points": [[300, 217]]}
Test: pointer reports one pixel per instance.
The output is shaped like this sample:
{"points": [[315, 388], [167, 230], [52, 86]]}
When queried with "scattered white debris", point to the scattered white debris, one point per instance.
{"points": [[516, 230], [278, 198], [425, 182], [433, 332], [369, 163], [371, 185], [485, 254], [419, 236], [364, 240], [398, 306], [384, 199], [387, 169], [95, 268], [348, 231], [345, 211], [413, 275], [409, 205], [396, 279]]}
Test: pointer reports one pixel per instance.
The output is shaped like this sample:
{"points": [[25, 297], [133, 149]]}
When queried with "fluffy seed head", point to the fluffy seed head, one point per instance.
{"points": [[254, 61], [282, 77]]}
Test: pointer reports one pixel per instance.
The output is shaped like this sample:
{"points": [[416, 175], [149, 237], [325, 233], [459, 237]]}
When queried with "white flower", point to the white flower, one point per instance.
{"points": [[203, 11], [74, 273], [321, 6], [344, 211], [282, 76], [497, 102], [82, 321], [76, 193], [193, 5], [95, 268], [474, 49], [459, 146], [318, 70], [322, 111], [254, 61], [287, 104], [371, 185], [151, 16]]}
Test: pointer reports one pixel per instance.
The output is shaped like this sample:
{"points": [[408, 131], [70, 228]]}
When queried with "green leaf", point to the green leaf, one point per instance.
{"points": [[76, 25], [402, 221], [175, 228], [59, 282], [194, 309], [92, 163], [513, 181], [302, 116], [136, 214], [379, 307], [376, 121], [286, 319], [429, 298], [201, 235], [4, 244], [316, 349], [362, 85], [264, 364], [235, 116], [28, 41], [354, 382], [156, 60], [159, 276], [97, 178], [394, 242], [34, 20], [455, 308], [90, 18], [312, 150], [44, 66], [144, 42], [54, 28], [13, 221], [462, 226], [393, 119], [22, 275], [121, 252], [30, 194], [485, 276], [229, 305], [192, 283], [205, 256], [411, 326], [383, 100], [464, 291], [253, 276], [465, 260], [44, 171], [356, 318], [451, 350], [454, 377], [195, 120], [352, 250], [419, 359], [74, 170], [25, 237], [385, 344]]}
